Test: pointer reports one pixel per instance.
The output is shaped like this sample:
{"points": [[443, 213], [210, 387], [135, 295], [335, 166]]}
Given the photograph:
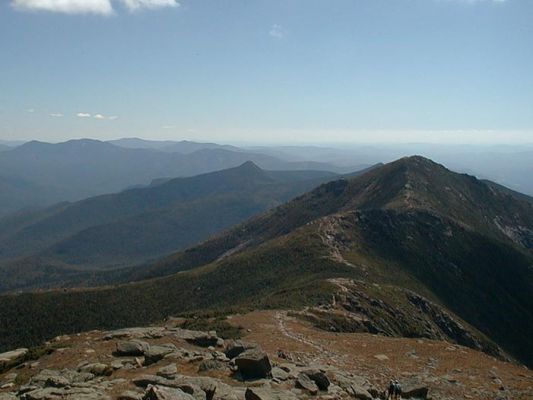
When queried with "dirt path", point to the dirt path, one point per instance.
{"points": [[328, 230], [323, 355]]}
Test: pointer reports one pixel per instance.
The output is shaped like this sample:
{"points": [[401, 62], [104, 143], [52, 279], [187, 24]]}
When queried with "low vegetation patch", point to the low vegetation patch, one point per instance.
{"points": [[221, 325]]}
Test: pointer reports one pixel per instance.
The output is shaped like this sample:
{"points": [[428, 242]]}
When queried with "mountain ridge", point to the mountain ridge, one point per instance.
{"points": [[146, 223], [81, 168], [352, 229]]}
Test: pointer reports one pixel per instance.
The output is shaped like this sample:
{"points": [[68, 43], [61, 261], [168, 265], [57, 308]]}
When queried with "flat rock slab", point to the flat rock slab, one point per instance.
{"points": [[268, 394], [12, 356], [166, 393], [305, 383], [157, 353], [65, 393], [132, 348], [136, 333]]}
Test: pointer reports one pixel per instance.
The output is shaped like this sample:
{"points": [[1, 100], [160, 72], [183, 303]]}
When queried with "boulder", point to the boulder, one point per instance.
{"points": [[63, 378], [359, 392], [12, 357], [253, 363], [414, 390], [130, 395], [168, 372], [319, 377], [268, 394], [132, 348], [166, 393], [304, 382], [157, 353], [280, 374], [187, 385], [236, 347]]}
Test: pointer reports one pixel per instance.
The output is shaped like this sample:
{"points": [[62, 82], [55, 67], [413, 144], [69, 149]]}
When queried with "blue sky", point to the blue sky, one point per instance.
{"points": [[268, 70]]}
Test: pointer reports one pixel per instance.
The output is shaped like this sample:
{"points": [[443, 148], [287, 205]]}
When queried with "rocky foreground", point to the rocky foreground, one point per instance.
{"points": [[279, 357]]}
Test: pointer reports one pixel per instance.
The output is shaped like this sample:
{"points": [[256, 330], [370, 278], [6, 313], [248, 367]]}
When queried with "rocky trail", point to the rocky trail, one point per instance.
{"points": [[279, 357]]}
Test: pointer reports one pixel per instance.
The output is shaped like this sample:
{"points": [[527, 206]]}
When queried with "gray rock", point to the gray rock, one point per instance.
{"points": [[319, 377], [268, 394], [132, 348], [156, 353], [280, 374], [130, 395], [97, 369], [166, 393], [63, 378], [74, 393], [9, 378], [168, 372], [147, 380], [185, 384], [304, 382], [234, 348], [359, 392], [12, 357], [7, 396], [414, 390], [136, 333], [253, 363]]}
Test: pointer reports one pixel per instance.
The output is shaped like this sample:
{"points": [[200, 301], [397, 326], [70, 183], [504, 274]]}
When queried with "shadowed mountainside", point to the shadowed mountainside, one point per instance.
{"points": [[138, 224], [411, 225]]}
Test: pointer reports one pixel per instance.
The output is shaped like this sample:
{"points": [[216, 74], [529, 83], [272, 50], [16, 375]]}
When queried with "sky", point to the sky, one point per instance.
{"points": [[309, 71]]}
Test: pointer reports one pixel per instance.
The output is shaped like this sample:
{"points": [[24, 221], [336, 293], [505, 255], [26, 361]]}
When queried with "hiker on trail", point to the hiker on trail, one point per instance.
{"points": [[390, 393], [397, 390]]}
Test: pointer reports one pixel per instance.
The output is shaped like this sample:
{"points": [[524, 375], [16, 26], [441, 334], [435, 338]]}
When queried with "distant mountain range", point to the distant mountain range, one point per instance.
{"points": [[405, 231], [182, 146], [46, 173], [136, 225]]}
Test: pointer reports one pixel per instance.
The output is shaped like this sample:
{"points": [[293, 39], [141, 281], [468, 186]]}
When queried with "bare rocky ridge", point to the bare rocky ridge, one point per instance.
{"points": [[281, 358]]}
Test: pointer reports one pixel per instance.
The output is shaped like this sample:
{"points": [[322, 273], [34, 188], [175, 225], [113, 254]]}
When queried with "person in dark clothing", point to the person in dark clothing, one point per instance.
{"points": [[397, 390], [390, 393]]}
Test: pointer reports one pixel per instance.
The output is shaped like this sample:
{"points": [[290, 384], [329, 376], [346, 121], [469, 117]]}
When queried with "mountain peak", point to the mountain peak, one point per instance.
{"points": [[417, 161], [250, 165]]}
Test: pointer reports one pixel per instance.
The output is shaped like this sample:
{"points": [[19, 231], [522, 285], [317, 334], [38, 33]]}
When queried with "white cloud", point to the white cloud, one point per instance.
{"points": [[83, 115], [134, 5], [56, 115], [102, 7], [100, 116], [276, 31], [31, 110]]}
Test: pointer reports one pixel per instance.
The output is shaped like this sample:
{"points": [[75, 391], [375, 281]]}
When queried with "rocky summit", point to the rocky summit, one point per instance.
{"points": [[281, 356]]}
